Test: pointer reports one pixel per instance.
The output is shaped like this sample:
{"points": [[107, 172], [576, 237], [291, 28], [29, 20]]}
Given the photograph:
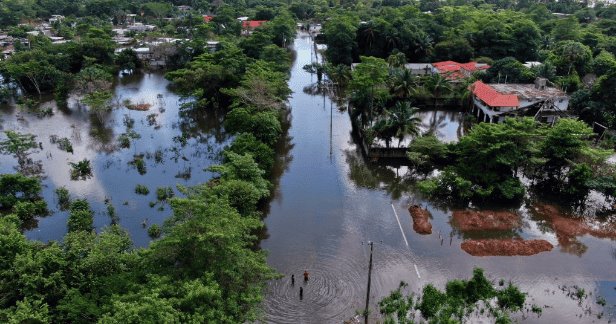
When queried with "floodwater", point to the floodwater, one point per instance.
{"points": [[176, 147], [330, 202]]}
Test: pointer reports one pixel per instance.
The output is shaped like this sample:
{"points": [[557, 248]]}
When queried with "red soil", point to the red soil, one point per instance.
{"points": [[505, 247], [140, 107], [485, 220], [421, 220]]}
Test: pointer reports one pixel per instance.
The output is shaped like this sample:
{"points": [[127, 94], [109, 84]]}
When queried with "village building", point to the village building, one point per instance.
{"points": [[419, 68], [55, 18], [140, 27], [454, 71], [494, 102], [207, 18], [212, 46], [532, 64], [248, 26]]}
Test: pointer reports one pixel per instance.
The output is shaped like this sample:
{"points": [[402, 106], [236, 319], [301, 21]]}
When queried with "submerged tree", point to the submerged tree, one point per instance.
{"points": [[18, 145], [99, 102]]}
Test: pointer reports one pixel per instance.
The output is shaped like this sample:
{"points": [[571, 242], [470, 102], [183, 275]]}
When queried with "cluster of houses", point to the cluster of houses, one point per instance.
{"points": [[494, 102]]}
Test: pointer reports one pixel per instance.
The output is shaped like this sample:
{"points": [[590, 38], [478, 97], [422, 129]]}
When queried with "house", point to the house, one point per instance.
{"points": [[184, 8], [532, 64], [494, 102], [140, 27], [419, 68], [249, 25], [252, 24], [56, 18], [212, 46], [207, 18], [453, 71]]}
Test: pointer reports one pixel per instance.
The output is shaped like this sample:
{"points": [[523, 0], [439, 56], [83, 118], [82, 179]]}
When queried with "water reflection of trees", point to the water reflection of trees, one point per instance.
{"points": [[374, 175]]}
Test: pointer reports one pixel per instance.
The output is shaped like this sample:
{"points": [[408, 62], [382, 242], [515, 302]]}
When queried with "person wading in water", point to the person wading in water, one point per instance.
{"points": [[292, 279], [305, 275]]}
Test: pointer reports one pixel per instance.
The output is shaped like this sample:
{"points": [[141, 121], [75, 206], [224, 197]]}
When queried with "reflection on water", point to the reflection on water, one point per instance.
{"points": [[175, 144], [330, 202]]}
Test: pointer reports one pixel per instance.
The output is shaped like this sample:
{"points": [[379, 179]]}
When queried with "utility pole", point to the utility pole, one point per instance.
{"points": [[368, 290]]}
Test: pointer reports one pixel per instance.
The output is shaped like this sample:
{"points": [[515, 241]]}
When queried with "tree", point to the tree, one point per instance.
{"points": [[99, 102], [570, 55], [15, 188], [404, 120], [81, 217], [457, 49], [509, 70], [18, 145], [340, 34], [437, 86], [402, 83], [368, 86]]}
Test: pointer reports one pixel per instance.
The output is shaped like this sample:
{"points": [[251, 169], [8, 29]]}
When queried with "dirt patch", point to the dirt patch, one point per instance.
{"points": [[505, 247], [567, 228], [485, 220], [140, 106], [421, 220]]}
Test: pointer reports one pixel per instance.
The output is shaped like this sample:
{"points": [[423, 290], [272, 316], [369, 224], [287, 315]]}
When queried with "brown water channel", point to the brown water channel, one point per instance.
{"points": [[176, 147], [330, 202]]}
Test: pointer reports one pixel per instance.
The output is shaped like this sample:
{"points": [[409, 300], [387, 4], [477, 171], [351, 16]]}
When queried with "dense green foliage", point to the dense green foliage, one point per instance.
{"points": [[574, 50], [455, 304], [203, 266], [486, 163]]}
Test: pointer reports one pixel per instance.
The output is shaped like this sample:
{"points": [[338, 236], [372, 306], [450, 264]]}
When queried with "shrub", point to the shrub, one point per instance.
{"points": [[164, 193], [64, 198], [154, 231], [142, 190]]}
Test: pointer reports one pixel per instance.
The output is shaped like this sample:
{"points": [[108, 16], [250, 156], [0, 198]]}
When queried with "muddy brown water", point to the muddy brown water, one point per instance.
{"points": [[329, 202]]}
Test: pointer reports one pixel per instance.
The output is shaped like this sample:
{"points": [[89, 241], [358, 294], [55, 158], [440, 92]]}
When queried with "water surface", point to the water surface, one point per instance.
{"points": [[331, 202]]}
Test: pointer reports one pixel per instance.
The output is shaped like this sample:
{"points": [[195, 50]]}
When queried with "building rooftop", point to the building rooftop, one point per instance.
{"points": [[253, 23], [528, 91], [493, 97]]}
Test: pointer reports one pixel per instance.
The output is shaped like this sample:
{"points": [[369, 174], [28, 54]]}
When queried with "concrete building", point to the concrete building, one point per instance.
{"points": [[420, 68], [453, 71], [494, 102]]}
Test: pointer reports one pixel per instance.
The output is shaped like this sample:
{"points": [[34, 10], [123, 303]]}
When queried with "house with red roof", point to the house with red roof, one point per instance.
{"points": [[207, 18], [455, 71], [495, 102], [249, 25]]}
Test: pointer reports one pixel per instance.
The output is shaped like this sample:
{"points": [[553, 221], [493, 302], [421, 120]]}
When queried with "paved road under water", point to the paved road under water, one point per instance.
{"points": [[329, 203]]}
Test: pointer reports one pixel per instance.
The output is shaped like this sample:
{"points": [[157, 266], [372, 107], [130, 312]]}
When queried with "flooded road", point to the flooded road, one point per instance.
{"points": [[330, 203], [174, 145]]}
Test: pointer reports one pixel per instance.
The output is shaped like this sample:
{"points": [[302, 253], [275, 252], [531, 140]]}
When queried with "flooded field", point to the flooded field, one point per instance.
{"points": [[175, 148], [330, 202]]}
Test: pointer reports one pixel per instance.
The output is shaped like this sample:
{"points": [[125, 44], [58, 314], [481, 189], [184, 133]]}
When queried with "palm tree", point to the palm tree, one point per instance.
{"points": [[403, 118], [402, 84], [437, 85]]}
